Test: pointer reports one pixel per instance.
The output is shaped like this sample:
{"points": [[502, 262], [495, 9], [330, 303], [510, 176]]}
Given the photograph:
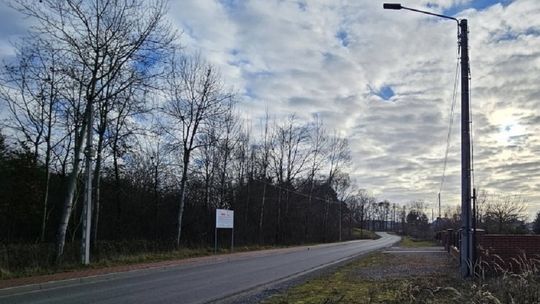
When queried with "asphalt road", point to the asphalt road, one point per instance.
{"points": [[203, 282]]}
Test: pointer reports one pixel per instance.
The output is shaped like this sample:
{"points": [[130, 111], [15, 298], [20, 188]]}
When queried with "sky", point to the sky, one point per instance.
{"points": [[383, 79]]}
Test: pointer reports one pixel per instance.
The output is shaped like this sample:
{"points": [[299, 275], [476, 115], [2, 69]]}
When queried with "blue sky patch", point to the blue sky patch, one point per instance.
{"points": [[385, 92], [302, 5], [250, 93], [476, 4], [230, 4], [508, 35], [343, 37], [532, 31], [258, 74]]}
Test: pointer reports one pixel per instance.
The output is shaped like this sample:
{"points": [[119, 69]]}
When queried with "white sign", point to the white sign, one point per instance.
{"points": [[224, 218]]}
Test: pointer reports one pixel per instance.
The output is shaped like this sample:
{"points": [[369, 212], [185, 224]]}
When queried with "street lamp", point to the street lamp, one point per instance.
{"points": [[466, 245]]}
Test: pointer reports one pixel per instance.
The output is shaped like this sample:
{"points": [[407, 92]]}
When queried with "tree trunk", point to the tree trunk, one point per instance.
{"points": [[102, 127], [182, 196], [45, 203], [68, 200], [278, 224], [116, 180], [286, 230], [46, 194], [156, 200], [307, 212], [47, 171], [247, 208], [261, 216], [97, 181], [223, 177], [325, 219]]}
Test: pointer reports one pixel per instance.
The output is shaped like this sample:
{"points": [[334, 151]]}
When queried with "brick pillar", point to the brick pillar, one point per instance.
{"points": [[449, 239]]}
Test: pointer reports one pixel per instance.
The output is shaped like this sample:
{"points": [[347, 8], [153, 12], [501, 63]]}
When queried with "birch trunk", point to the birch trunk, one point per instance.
{"points": [[97, 181], [182, 196], [71, 187], [261, 216]]}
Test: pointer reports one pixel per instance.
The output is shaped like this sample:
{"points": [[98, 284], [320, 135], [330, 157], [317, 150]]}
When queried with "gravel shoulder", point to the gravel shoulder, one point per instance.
{"points": [[390, 276]]}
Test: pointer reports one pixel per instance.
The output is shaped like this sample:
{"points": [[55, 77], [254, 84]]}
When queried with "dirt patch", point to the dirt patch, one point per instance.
{"points": [[396, 275], [407, 262]]}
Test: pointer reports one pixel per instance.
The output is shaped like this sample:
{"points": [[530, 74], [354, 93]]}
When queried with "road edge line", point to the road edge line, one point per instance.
{"points": [[259, 288]]}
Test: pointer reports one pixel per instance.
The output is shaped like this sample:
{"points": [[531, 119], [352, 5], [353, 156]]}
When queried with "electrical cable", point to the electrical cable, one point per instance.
{"points": [[299, 193], [450, 122]]}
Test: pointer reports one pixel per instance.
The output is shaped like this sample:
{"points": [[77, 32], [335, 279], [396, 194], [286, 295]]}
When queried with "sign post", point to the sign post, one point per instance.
{"points": [[225, 220]]}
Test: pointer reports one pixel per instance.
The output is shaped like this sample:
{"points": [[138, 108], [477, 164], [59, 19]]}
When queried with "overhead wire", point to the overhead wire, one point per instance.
{"points": [[299, 193], [450, 122], [451, 119]]}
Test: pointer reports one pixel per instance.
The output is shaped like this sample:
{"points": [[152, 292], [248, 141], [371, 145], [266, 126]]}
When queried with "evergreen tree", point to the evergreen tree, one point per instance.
{"points": [[536, 226]]}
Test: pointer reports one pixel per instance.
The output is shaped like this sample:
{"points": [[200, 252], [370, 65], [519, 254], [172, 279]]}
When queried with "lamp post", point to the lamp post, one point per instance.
{"points": [[466, 245], [87, 205]]}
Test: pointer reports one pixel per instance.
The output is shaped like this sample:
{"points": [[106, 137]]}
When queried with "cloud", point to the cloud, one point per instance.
{"points": [[13, 26], [342, 59]]}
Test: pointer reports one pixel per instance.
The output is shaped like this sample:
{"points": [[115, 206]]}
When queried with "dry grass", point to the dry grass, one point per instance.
{"points": [[26, 260], [376, 278], [358, 233], [396, 278], [409, 242], [514, 281]]}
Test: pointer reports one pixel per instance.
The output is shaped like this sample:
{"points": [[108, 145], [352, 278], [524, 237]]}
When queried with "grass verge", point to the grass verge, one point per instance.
{"points": [[376, 278], [362, 234], [411, 277], [409, 242], [34, 263]]}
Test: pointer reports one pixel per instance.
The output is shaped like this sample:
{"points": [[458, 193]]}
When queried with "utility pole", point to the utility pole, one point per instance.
{"points": [[466, 244], [439, 197], [394, 222], [340, 221], [87, 207], [474, 240], [466, 239]]}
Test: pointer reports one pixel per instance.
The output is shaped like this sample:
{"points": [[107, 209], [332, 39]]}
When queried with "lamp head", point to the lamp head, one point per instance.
{"points": [[393, 6]]}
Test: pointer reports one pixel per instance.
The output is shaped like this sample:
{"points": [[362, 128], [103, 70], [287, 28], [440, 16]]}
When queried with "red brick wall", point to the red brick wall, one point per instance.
{"points": [[508, 246]]}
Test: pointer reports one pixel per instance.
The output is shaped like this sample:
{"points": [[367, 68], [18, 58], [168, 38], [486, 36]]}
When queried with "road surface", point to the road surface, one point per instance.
{"points": [[203, 282]]}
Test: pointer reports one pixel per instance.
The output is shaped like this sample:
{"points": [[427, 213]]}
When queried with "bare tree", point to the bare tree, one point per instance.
{"points": [[207, 162], [504, 213], [318, 141], [344, 189], [114, 113], [31, 88], [359, 203], [264, 164], [101, 39], [366, 201], [227, 144], [195, 97], [244, 165], [339, 155], [289, 149], [289, 156], [384, 207]]}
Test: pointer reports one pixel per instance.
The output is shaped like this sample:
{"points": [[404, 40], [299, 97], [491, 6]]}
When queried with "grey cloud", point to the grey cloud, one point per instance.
{"points": [[285, 55], [397, 147]]}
